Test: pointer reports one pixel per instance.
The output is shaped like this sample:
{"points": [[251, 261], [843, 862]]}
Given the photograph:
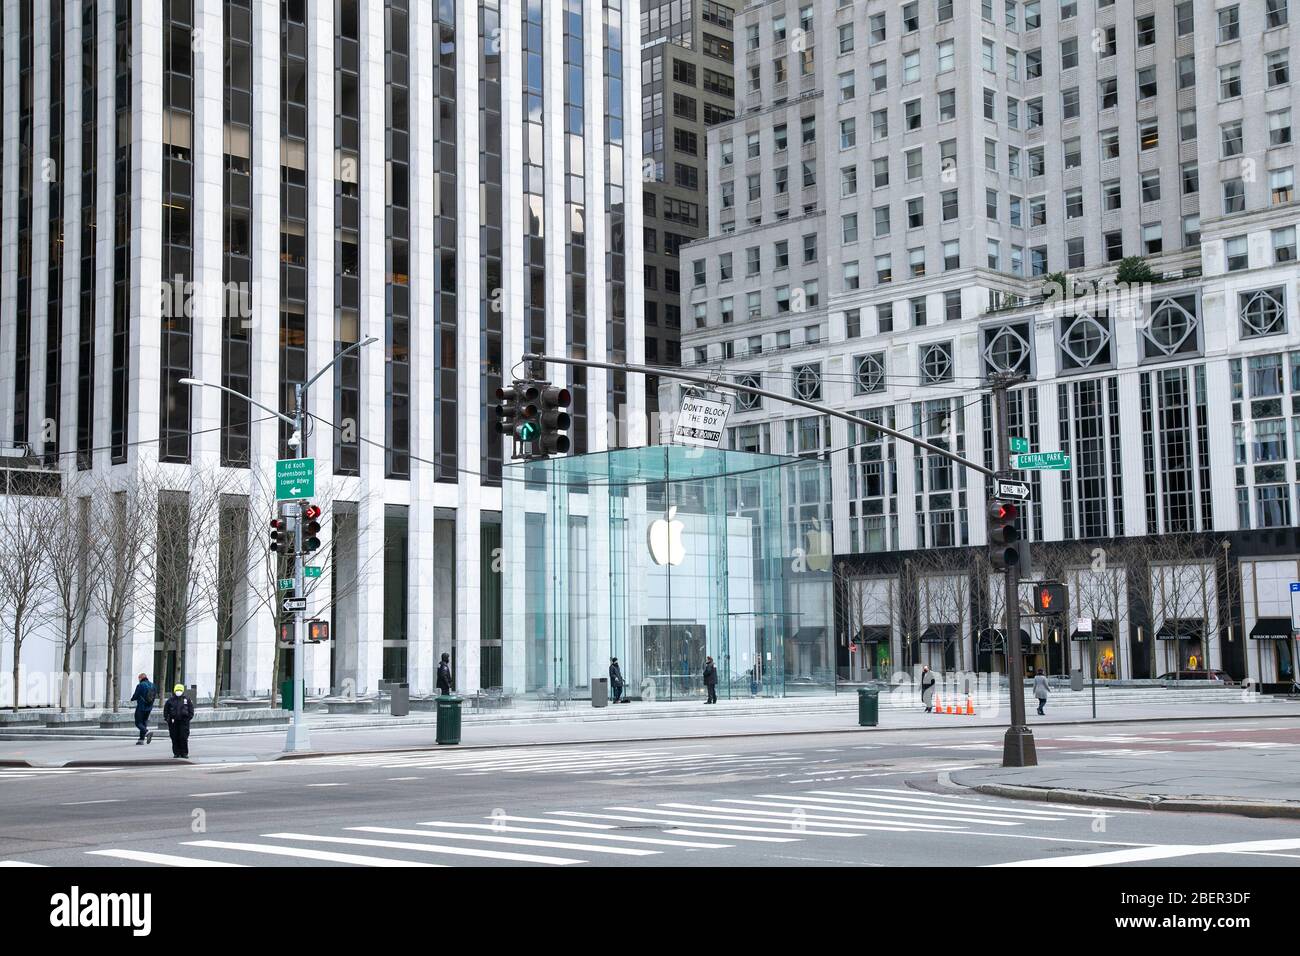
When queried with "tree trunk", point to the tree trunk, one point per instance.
{"points": [[18, 652], [110, 672], [67, 664]]}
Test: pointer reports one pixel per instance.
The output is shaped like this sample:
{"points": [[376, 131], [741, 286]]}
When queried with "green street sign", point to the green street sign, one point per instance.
{"points": [[1042, 461], [1019, 445], [295, 478], [286, 584], [310, 571]]}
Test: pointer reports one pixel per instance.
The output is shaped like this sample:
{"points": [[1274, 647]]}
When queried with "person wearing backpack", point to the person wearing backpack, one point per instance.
{"points": [[178, 712], [145, 696]]}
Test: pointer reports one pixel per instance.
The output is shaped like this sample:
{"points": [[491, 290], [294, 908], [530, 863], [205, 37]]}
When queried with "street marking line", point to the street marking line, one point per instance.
{"points": [[882, 816], [921, 805], [20, 863], [853, 823], [305, 854], [162, 859], [327, 784], [667, 825], [981, 802], [510, 841], [570, 823], [86, 803], [814, 827], [573, 833], [218, 793], [424, 848], [1157, 852], [405, 778]]}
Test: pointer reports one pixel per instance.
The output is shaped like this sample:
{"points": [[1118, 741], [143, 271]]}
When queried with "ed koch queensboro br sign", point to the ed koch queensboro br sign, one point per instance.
{"points": [[701, 421]]}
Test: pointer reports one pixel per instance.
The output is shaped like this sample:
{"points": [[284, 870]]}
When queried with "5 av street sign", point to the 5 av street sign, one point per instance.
{"points": [[295, 478], [1010, 490], [1042, 461], [1018, 444]]}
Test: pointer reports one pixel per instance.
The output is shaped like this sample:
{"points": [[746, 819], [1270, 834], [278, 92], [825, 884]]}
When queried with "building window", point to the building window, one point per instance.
{"points": [[808, 382], [869, 373], [1262, 312], [936, 363]]}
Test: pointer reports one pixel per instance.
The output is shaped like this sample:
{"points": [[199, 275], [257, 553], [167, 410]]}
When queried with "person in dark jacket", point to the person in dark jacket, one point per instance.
{"points": [[615, 679], [711, 680], [927, 688], [444, 675], [178, 712], [144, 698]]}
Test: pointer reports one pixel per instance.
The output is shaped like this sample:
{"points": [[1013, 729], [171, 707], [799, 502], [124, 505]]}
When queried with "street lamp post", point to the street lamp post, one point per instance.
{"points": [[298, 738]]}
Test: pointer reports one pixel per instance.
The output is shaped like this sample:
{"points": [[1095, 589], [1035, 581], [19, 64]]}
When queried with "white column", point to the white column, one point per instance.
{"points": [[44, 177], [70, 176], [9, 225]]}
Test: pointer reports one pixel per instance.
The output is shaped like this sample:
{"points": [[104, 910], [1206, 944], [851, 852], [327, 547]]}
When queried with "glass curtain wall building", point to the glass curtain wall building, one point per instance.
{"points": [[450, 177]]}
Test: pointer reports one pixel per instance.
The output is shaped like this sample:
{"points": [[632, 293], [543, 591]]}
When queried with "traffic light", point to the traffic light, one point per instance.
{"points": [[1004, 534], [507, 409], [310, 531], [318, 631], [553, 420], [281, 536], [526, 426], [1050, 598]]}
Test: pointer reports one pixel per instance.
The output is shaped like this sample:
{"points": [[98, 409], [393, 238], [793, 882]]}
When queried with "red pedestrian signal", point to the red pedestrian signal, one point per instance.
{"points": [[1050, 598]]}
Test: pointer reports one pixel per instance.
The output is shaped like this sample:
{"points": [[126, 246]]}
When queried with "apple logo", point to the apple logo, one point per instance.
{"points": [[819, 547], [666, 540]]}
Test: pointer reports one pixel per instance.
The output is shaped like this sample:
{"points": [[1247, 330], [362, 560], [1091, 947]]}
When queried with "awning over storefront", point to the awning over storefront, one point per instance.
{"points": [[1101, 631], [809, 635], [992, 639], [873, 634], [1181, 629], [939, 633], [1272, 629]]}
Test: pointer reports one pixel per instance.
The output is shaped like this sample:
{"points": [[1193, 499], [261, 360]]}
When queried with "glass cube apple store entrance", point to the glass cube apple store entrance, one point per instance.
{"points": [[663, 557]]}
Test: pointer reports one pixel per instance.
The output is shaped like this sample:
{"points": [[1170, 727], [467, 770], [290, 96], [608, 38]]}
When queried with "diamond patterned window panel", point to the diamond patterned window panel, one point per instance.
{"points": [[1262, 312], [1086, 341], [869, 373], [1173, 329], [1007, 348], [808, 382], [746, 401], [936, 363]]}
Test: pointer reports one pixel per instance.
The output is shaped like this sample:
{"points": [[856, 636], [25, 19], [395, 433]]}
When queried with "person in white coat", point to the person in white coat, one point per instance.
{"points": [[1040, 690], [927, 688]]}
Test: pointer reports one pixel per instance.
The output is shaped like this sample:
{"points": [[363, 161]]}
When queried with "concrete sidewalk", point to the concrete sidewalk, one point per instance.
{"points": [[651, 724], [1251, 782]]}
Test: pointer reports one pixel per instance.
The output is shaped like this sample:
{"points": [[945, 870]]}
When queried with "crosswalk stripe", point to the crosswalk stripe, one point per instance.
{"points": [[1021, 806], [511, 841], [734, 832], [576, 833], [19, 863], [162, 859], [569, 823], [940, 809], [909, 818], [825, 822], [815, 826], [427, 848], [982, 809], [306, 854]]}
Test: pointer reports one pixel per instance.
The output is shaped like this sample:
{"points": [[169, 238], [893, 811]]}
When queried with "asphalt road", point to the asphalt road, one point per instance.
{"points": [[832, 799]]}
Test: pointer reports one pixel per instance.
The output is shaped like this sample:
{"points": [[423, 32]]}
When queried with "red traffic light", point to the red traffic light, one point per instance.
{"points": [[311, 512]]}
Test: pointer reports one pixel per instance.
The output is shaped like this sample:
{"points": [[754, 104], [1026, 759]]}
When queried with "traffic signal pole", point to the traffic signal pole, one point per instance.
{"points": [[1018, 745], [298, 737]]}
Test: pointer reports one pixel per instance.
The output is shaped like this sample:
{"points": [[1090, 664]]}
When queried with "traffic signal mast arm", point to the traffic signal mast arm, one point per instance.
{"points": [[534, 357]]}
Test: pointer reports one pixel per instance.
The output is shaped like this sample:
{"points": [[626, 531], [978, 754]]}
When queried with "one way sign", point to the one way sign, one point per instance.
{"points": [[1010, 490]]}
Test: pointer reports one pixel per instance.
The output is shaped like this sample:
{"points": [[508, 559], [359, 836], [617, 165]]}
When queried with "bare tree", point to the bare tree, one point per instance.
{"points": [[70, 573], [180, 566], [944, 583], [861, 603], [1182, 573], [23, 584], [125, 537], [228, 573], [1100, 579]]}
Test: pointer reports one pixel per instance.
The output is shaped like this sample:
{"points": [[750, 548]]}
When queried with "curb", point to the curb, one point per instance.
{"points": [[1102, 798], [431, 747]]}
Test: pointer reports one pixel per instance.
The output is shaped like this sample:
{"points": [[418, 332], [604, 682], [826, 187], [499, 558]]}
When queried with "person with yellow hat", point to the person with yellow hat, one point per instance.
{"points": [[178, 712]]}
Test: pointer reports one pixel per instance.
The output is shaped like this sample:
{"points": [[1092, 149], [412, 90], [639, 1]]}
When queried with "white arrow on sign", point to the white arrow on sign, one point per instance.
{"points": [[1010, 489], [295, 491]]}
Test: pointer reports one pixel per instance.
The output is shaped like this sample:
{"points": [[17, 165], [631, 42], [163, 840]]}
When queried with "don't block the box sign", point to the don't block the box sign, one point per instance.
{"points": [[701, 421]]}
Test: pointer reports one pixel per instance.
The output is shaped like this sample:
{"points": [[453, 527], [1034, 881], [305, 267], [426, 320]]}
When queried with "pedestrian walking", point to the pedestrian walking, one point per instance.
{"points": [[615, 679], [144, 698], [444, 675], [711, 680], [1040, 690], [178, 712], [927, 688]]}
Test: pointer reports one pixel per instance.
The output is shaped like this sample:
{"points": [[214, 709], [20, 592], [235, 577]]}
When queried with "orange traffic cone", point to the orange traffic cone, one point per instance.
{"points": [[938, 704], [970, 706]]}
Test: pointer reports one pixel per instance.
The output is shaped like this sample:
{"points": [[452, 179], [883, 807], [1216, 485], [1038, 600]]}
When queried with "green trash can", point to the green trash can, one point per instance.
{"points": [[868, 706], [286, 695], [449, 720]]}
